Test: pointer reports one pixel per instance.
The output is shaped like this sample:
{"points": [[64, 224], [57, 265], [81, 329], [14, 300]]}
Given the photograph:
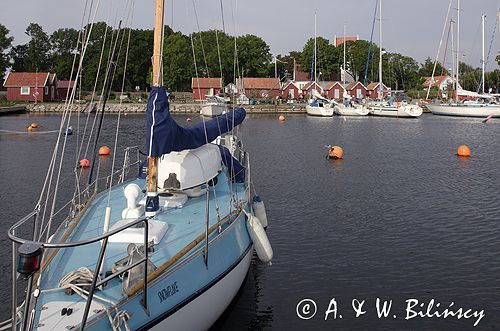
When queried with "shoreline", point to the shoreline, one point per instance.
{"points": [[175, 108]]}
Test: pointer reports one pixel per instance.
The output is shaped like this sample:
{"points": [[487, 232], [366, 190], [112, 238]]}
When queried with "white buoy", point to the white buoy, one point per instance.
{"points": [[259, 210], [259, 237]]}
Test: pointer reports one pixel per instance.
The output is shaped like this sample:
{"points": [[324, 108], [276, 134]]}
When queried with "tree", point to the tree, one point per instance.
{"points": [[178, 62], [327, 58], [37, 52], [254, 56], [402, 72], [18, 55], [356, 58], [428, 66], [5, 44], [63, 44]]}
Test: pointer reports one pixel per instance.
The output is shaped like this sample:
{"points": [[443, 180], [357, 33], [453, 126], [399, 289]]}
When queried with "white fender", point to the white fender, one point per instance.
{"points": [[260, 241], [259, 210]]}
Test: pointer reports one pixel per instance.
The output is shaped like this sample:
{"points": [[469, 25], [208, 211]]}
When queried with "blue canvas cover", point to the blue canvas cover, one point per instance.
{"points": [[164, 135]]}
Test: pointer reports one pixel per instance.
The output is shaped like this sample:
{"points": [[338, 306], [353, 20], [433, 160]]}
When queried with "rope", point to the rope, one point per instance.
{"points": [[201, 39]]}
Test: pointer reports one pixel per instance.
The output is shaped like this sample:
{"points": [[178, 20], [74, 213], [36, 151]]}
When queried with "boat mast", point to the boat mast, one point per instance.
{"points": [[482, 61], [314, 49], [156, 82], [380, 56], [344, 73], [458, 50]]}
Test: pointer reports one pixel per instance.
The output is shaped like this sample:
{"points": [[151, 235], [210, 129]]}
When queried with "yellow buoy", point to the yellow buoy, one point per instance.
{"points": [[30, 128], [335, 152], [463, 150], [104, 150], [281, 118]]}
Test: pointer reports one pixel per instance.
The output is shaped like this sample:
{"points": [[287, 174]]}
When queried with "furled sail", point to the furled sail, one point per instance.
{"points": [[164, 135]]}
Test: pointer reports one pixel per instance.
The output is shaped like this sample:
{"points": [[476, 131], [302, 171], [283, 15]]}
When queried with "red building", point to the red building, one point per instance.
{"points": [[307, 90], [30, 86], [357, 90], [64, 88], [259, 88], [374, 91], [290, 91], [205, 86], [340, 40], [334, 90]]}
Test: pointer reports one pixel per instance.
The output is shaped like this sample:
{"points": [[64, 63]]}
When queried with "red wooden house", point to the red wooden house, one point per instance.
{"points": [[307, 90], [259, 88], [30, 86], [334, 90], [64, 88], [357, 90], [290, 91], [205, 86], [374, 91]]}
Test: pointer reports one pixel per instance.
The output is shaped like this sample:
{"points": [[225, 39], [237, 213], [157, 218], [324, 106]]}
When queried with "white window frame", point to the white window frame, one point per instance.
{"points": [[26, 92], [359, 94], [336, 94]]}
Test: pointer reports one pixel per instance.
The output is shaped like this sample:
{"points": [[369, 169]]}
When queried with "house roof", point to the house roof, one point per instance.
{"points": [[261, 83], [308, 86], [435, 82], [32, 79], [65, 83], [352, 85], [340, 40], [290, 82], [204, 82], [331, 85], [373, 86]]}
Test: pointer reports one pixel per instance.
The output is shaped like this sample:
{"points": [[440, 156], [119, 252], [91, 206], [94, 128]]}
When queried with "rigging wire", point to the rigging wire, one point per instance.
{"points": [[201, 39]]}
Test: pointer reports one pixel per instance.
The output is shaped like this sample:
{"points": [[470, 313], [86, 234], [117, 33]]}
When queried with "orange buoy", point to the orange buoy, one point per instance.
{"points": [[84, 163], [104, 150], [34, 125], [335, 152], [30, 128], [463, 150], [281, 118]]}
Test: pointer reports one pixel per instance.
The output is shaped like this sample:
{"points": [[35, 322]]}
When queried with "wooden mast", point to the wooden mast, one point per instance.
{"points": [[156, 82]]}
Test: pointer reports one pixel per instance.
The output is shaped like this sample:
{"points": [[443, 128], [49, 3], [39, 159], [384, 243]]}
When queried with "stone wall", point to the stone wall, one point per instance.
{"points": [[174, 107]]}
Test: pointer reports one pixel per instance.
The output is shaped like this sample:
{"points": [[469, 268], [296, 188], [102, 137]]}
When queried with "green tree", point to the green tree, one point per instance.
{"points": [[18, 56], [37, 52], [428, 66], [178, 62], [5, 45], [63, 44], [254, 56], [402, 72], [327, 58]]}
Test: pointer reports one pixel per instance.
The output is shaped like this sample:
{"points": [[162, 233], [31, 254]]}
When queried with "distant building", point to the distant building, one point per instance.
{"points": [[203, 87], [64, 88], [308, 89], [373, 90], [340, 40], [441, 82], [357, 90], [334, 90], [291, 91], [30, 86], [259, 88]]}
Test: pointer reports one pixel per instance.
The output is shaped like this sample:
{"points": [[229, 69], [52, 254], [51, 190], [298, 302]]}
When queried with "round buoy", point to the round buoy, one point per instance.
{"points": [[281, 118], [34, 125], [30, 128], [84, 163], [335, 152], [104, 150], [463, 150], [188, 119]]}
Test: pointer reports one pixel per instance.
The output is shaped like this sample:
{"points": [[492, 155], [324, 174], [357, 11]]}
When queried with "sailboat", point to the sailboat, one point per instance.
{"points": [[467, 109], [165, 250], [349, 107], [317, 105], [389, 108]]}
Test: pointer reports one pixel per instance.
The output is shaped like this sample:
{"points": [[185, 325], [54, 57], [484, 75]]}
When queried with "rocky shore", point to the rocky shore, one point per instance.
{"points": [[174, 108]]}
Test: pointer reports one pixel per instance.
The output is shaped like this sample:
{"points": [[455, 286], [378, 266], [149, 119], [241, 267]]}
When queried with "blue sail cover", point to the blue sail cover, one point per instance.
{"points": [[164, 135]]}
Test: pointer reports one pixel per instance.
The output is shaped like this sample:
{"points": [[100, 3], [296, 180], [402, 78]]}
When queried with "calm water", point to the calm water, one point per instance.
{"points": [[400, 217]]}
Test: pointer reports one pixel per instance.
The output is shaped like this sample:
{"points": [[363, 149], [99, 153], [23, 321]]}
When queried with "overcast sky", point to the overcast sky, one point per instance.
{"points": [[410, 27]]}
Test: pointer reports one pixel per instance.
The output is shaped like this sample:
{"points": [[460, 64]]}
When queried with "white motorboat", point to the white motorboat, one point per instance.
{"points": [[214, 106]]}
